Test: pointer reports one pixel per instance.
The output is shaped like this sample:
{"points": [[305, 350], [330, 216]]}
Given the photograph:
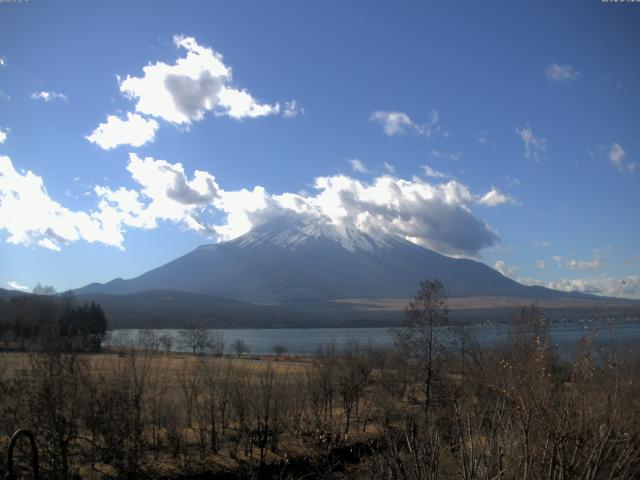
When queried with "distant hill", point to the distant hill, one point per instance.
{"points": [[8, 294], [174, 309]]}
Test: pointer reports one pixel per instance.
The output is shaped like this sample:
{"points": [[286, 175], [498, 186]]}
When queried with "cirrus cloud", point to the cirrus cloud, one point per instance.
{"points": [[446, 155], [397, 123], [535, 148], [48, 96], [617, 156], [561, 73], [430, 172], [358, 165]]}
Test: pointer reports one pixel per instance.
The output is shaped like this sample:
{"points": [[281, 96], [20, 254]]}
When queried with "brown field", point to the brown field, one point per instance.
{"points": [[468, 303], [174, 401], [517, 411]]}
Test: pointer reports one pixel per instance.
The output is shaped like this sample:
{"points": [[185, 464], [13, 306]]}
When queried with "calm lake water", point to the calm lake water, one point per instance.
{"points": [[305, 341]]}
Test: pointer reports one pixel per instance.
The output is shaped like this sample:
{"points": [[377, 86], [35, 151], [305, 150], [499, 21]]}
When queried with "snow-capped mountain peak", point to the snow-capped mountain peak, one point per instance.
{"points": [[294, 232]]}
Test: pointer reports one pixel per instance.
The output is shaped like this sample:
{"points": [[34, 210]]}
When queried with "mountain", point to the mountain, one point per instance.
{"points": [[5, 293], [9, 294], [294, 262]]}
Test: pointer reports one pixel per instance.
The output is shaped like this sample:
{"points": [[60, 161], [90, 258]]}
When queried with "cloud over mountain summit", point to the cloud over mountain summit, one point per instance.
{"points": [[435, 215]]}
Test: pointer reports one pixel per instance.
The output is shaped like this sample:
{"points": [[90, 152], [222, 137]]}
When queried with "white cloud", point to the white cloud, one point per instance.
{"points": [[541, 264], [628, 287], [446, 155], [135, 130], [16, 286], [485, 140], [292, 109], [430, 172], [393, 123], [166, 193], [534, 147], [616, 154], [49, 96], [3, 61], [31, 217], [584, 264], [3, 136], [389, 168], [358, 165], [437, 216], [492, 198], [506, 270], [616, 157], [530, 281], [396, 123], [495, 197], [195, 84], [561, 73], [542, 244], [593, 264]]}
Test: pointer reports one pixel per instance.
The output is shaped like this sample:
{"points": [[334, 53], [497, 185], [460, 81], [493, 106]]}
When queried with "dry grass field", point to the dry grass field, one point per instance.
{"points": [[411, 411], [475, 303], [177, 401]]}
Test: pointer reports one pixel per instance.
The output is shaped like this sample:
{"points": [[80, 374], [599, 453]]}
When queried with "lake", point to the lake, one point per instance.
{"points": [[306, 341]]}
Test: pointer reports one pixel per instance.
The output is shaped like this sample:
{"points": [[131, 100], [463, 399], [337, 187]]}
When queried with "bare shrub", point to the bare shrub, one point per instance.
{"points": [[56, 393]]}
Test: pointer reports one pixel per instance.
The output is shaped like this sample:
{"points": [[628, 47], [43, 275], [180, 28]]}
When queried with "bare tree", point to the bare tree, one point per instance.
{"points": [[321, 385], [240, 347], [196, 338], [264, 404], [167, 342], [212, 386], [148, 340], [279, 349], [419, 339], [190, 387], [217, 343], [239, 388], [57, 393], [352, 377]]}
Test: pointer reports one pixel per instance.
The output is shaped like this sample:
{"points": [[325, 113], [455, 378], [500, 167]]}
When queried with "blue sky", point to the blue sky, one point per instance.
{"points": [[497, 131]]}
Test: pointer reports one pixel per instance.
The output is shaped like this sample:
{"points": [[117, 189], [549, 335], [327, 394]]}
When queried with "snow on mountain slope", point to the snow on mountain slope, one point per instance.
{"points": [[292, 232]]}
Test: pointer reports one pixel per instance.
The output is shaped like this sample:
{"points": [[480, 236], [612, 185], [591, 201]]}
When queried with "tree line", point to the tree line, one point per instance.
{"points": [[46, 320]]}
